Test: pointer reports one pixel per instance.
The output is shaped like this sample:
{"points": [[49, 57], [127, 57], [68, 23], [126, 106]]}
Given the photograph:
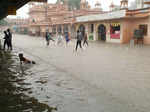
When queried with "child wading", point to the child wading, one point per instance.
{"points": [[25, 60], [48, 37]]}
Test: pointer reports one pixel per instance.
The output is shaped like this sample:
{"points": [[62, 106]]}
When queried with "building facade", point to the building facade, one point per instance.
{"points": [[117, 26], [57, 18]]}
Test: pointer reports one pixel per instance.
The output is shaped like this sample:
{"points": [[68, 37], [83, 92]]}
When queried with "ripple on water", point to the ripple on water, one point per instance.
{"points": [[13, 88]]}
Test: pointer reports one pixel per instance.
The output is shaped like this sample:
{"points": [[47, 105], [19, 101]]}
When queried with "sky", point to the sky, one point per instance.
{"points": [[23, 12]]}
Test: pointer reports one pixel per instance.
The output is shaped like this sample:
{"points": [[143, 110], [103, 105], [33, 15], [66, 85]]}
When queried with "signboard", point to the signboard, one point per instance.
{"points": [[100, 17], [115, 24], [11, 10]]}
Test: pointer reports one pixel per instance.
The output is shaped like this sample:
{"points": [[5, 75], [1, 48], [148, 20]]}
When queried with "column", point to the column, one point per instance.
{"points": [[95, 32]]}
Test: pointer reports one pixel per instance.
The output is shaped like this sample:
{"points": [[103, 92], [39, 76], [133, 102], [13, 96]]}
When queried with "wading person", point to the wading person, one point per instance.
{"points": [[6, 41], [67, 38], [10, 38], [48, 37], [79, 39], [60, 39], [25, 60], [85, 40]]}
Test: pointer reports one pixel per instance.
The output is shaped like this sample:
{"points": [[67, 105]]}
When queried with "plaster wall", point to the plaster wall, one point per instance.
{"points": [[131, 25]]}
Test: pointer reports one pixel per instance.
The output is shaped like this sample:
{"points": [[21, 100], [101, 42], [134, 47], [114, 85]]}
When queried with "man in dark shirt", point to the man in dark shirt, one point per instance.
{"points": [[6, 40], [79, 39], [10, 38]]}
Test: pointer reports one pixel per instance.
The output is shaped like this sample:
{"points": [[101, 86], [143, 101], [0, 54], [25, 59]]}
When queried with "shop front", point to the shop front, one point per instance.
{"points": [[115, 31], [105, 27]]}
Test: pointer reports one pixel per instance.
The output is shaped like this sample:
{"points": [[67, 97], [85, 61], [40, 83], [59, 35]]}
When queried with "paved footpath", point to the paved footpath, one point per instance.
{"points": [[101, 78]]}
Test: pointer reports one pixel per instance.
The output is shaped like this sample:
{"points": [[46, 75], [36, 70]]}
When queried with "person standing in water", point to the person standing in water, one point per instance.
{"points": [[67, 38], [10, 38], [48, 37], [85, 40], [6, 40], [79, 40]]}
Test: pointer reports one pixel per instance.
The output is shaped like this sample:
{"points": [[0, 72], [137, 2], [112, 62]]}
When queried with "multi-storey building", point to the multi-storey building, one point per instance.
{"points": [[57, 18], [142, 4], [117, 26]]}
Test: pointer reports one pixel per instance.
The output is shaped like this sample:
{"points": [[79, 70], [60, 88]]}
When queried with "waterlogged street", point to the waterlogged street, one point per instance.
{"points": [[101, 78]]}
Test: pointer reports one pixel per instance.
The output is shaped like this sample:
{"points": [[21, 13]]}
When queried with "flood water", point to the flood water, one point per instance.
{"points": [[14, 91], [101, 78], [39, 88]]}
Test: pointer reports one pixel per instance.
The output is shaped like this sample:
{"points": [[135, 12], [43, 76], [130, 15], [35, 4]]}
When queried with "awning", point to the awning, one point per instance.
{"points": [[9, 7]]}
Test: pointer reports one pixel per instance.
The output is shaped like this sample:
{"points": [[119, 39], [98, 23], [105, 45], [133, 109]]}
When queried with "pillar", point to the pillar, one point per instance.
{"points": [[95, 32]]}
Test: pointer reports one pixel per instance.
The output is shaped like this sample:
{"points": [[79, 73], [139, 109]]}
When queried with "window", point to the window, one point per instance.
{"points": [[144, 28]]}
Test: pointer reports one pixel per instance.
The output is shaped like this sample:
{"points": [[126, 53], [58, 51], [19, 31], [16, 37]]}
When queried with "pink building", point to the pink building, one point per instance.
{"points": [[57, 18]]}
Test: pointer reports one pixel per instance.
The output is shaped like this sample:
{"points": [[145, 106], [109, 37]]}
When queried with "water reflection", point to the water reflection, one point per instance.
{"points": [[13, 88]]}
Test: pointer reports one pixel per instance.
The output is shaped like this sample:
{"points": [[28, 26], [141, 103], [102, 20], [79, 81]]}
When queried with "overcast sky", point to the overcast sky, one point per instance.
{"points": [[23, 12]]}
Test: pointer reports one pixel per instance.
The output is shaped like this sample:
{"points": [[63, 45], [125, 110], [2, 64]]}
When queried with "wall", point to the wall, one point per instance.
{"points": [[131, 25], [127, 31]]}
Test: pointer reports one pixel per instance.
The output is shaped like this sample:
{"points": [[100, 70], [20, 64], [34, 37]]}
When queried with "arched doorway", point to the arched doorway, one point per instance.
{"points": [[102, 32], [82, 29]]}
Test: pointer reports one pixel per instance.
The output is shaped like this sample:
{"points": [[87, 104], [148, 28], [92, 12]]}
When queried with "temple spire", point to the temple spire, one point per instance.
{"points": [[83, 4], [112, 6]]}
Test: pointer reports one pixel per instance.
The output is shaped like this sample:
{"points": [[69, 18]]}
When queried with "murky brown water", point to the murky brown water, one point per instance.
{"points": [[14, 89], [102, 78]]}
